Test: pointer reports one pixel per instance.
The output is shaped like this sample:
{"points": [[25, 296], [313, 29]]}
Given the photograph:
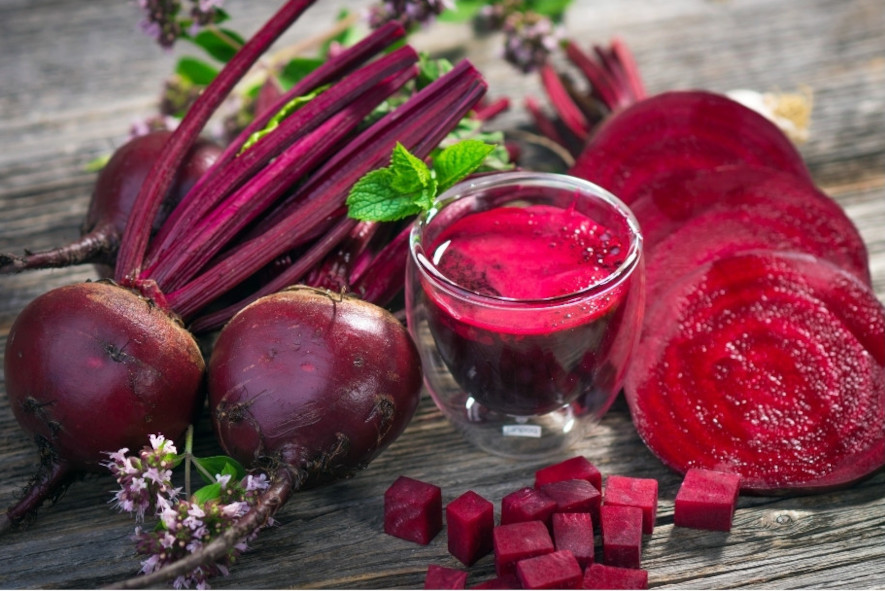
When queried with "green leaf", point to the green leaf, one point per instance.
{"points": [[274, 122], [554, 9], [296, 69], [410, 174], [430, 69], [195, 71], [222, 465], [459, 160], [463, 11], [221, 44], [207, 493], [373, 198]]}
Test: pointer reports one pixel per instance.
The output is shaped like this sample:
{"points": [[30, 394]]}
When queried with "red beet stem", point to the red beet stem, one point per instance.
{"points": [[285, 482], [545, 124], [344, 107], [291, 275], [438, 108], [382, 279], [206, 193], [568, 111], [334, 271], [134, 243]]}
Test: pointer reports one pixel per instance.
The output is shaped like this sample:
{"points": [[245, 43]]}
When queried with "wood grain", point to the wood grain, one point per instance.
{"points": [[75, 75]]}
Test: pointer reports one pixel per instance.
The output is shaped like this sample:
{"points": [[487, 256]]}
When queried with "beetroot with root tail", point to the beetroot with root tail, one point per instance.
{"points": [[310, 386], [90, 368], [113, 196]]}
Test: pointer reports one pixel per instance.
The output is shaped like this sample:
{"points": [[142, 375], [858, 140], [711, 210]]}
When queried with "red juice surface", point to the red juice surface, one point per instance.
{"points": [[526, 358]]}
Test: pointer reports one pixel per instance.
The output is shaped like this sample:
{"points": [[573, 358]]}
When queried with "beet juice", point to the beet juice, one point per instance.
{"points": [[525, 297]]}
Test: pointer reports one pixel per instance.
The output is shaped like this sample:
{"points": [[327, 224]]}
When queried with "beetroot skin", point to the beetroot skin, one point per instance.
{"points": [[319, 381], [92, 367]]}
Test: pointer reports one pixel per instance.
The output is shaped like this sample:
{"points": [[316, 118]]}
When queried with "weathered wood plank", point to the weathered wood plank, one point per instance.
{"points": [[74, 76]]}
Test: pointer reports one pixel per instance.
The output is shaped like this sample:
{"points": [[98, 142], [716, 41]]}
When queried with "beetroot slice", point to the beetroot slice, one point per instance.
{"points": [[470, 520], [603, 576], [413, 510], [778, 212], [574, 467], [769, 365], [444, 577], [706, 500], [556, 570], [682, 130]]}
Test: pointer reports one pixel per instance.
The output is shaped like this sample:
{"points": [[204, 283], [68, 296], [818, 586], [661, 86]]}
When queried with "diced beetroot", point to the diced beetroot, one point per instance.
{"points": [[574, 532], [706, 500], [682, 131], [444, 577], [556, 570], [574, 496], [604, 576], [769, 364], [774, 203], [506, 581], [413, 510], [621, 535], [526, 504], [572, 468], [517, 541], [470, 520], [634, 492]]}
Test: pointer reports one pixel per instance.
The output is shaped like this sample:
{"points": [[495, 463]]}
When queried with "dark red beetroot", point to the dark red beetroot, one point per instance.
{"points": [[575, 467], [443, 577], [634, 492], [517, 541], [114, 193], [778, 211], [526, 504], [413, 510], [310, 386], [621, 527], [767, 365], [706, 500], [682, 131], [574, 495], [470, 520], [603, 576], [555, 570], [132, 369], [574, 532]]}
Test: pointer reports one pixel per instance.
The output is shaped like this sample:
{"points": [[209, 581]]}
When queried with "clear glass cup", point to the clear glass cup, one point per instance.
{"points": [[522, 376]]}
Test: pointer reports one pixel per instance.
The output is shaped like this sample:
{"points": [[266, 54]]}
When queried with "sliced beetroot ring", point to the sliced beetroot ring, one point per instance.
{"points": [[769, 365]]}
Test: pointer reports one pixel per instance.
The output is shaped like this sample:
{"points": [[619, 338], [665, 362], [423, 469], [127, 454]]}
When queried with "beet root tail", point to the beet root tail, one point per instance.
{"points": [[96, 247], [50, 483]]}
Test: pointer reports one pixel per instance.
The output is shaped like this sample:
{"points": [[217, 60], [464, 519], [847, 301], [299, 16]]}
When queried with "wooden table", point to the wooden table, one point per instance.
{"points": [[75, 75]]}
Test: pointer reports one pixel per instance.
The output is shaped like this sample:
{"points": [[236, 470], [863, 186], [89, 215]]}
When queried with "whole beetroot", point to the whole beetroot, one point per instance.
{"points": [[310, 386], [93, 367]]}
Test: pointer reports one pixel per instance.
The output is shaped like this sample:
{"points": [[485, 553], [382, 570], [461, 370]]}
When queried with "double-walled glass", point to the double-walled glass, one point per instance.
{"points": [[524, 377]]}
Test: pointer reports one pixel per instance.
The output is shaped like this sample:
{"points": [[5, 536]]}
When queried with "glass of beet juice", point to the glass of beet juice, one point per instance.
{"points": [[525, 294]]}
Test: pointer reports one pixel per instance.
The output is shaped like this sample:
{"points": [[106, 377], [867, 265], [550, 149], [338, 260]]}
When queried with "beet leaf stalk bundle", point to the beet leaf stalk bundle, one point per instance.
{"points": [[96, 367]]}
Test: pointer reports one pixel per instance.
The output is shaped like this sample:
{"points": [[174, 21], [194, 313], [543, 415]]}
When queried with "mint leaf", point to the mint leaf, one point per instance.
{"points": [[207, 493], [221, 44], [374, 198], [408, 187], [459, 160], [410, 174]]}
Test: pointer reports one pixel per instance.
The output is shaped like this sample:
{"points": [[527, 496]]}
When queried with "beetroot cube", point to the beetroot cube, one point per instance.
{"points": [[576, 467], [443, 577], [517, 541], [604, 576], [413, 510], [470, 520], [634, 492], [526, 504], [706, 499], [574, 496], [556, 570], [574, 532], [621, 535], [507, 581]]}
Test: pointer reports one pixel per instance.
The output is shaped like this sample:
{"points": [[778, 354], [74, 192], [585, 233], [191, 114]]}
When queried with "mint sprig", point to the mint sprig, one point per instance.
{"points": [[409, 186]]}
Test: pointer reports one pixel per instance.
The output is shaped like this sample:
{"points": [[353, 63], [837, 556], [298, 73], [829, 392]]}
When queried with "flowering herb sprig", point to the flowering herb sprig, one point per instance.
{"points": [[184, 522]]}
